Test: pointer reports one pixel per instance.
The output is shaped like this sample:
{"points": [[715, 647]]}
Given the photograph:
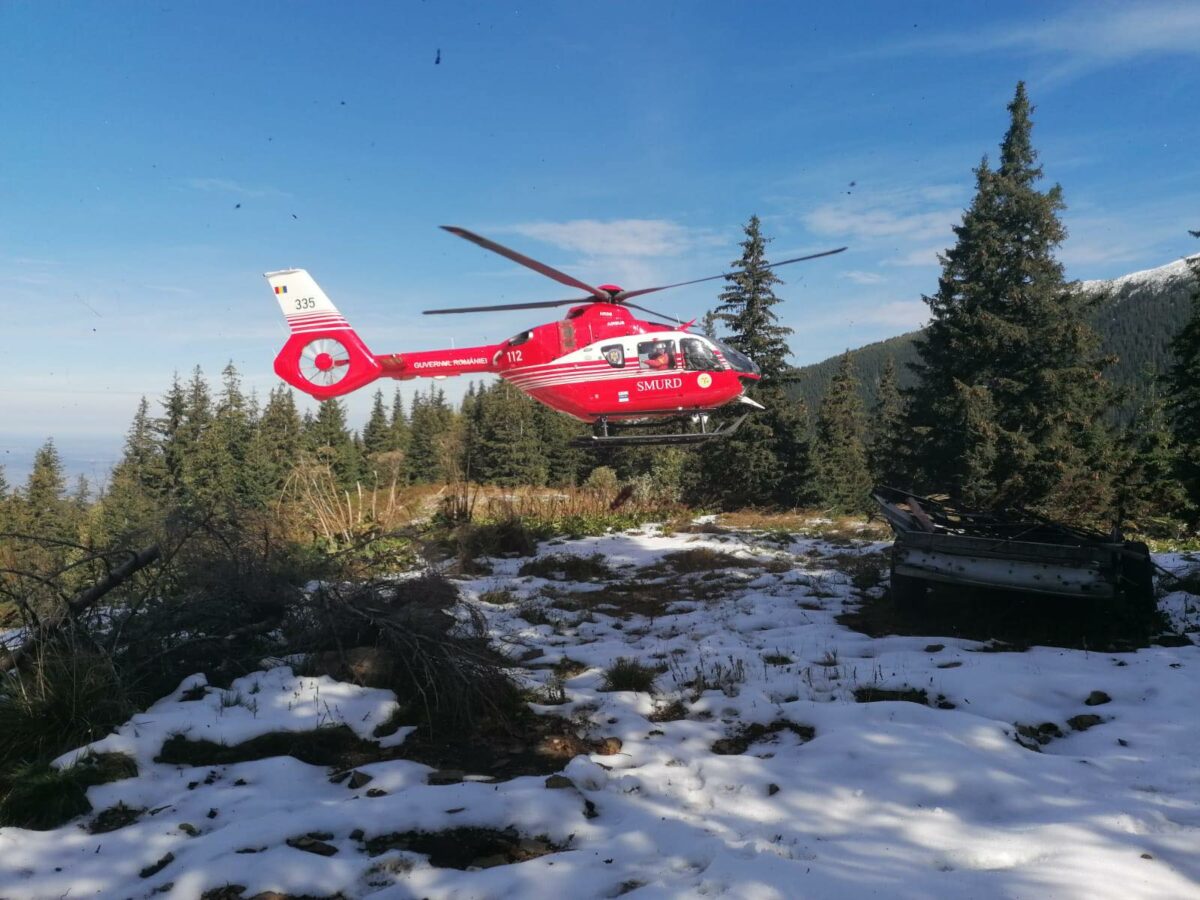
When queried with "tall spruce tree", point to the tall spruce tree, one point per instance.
{"points": [[842, 478], [565, 465], [1148, 488], [215, 472], [431, 422], [276, 446], [42, 508], [507, 447], [329, 440], [1183, 399], [888, 442], [171, 435], [5, 502], [1010, 401], [745, 309], [376, 434], [139, 482], [764, 463]]}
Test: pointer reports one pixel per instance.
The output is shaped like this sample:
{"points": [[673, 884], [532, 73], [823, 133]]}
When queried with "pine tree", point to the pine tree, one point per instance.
{"points": [[888, 432], [1010, 404], [6, 523], [215, 472], [330, 441], [745, 309], [565, 465], [1148, 486], [42, 508], [376, 434], [791, 445], [376, 443], [507, 446], [766, 461], [1183, 400], [398, 424], [143, 457], [842, 478], [171, 435], [276, 446], [139, 481], [431, 456]]}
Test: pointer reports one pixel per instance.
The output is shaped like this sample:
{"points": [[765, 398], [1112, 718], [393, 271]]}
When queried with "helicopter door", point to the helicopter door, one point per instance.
{"points": [[566, 336]]}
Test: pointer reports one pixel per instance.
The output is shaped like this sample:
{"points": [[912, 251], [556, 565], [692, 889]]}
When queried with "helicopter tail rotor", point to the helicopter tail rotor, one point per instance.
{"points": [[323, 357]]}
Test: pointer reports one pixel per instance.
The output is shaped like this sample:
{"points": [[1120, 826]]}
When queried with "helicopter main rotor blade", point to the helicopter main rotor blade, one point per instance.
{"points": [[541, 304], [664, 318], [560, 277], [624, 295]]}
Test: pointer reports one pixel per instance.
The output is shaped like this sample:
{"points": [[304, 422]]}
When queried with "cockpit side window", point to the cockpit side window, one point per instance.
{"points": [[656, 355], [698, 356], [519, 339], [614, 355]]}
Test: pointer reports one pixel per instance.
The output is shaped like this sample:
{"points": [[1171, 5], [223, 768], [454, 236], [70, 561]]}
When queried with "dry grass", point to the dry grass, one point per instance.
{"points": [[705, 559], [629, 675], [808, 523], [568, 567]]}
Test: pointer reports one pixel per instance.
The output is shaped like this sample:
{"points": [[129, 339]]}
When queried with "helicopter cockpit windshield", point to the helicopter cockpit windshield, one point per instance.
{"points": [[738, 360]]}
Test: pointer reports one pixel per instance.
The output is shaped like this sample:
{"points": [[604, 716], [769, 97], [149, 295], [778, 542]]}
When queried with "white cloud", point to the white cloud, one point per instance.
{"points": [[921, 256], [863, 221], [229, 186], [1090, 36], [864, 277], [618, 237]]}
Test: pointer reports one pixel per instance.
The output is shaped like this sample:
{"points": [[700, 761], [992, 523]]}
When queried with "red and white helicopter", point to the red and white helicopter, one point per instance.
{"points": [[600, 364]]}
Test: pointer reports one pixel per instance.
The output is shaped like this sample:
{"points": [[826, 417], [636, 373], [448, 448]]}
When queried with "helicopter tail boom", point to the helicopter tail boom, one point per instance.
{"points": [[325, 358]]}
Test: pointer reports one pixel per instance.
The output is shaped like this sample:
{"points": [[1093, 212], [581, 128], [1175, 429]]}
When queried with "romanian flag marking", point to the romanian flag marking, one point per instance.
{"points": [[281, 288]]}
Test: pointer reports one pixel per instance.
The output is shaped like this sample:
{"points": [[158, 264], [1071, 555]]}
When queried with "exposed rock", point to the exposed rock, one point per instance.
{"points": [[489, 862], [376, 792], [935, 648], [310, 843], [607, 746], [360, 779], [772, 789], [1084, 722], [1097, 698], [557, 782], [445, 776], [154, 868]]}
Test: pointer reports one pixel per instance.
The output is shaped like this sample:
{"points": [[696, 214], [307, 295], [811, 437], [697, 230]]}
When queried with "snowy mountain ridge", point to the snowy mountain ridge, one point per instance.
{"points": [[1158, 276]]}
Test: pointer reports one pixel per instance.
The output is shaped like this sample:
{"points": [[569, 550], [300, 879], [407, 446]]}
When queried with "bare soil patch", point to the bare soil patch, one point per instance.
{"points": [[740, 741], [463, 848]]}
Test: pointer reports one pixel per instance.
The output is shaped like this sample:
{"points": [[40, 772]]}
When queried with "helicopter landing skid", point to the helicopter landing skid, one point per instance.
{"points": [[604, 439]]}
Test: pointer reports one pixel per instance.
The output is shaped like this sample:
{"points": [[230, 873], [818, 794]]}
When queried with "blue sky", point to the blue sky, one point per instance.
{"points": [[625, 142]]}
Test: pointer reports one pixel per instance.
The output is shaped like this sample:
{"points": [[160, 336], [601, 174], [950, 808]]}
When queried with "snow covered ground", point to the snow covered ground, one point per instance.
{"points": [[880, 799]]}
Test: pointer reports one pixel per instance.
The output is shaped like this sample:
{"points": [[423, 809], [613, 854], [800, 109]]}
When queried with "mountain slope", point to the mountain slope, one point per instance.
{"points": [[1136, 320]]}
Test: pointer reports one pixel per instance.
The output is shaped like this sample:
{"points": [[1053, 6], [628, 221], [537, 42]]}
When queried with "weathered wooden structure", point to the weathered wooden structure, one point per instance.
{"points": [[937, 541]]}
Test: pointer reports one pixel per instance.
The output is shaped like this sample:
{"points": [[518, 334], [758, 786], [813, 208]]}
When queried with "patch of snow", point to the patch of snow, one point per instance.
{"points": [[894, 799]]}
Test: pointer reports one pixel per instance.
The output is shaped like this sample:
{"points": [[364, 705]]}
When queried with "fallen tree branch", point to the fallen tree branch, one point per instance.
{"points": [[81, 602]]}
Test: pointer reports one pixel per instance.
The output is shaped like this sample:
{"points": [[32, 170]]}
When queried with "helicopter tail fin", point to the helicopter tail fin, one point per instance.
{"points": [[323, 357]]}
